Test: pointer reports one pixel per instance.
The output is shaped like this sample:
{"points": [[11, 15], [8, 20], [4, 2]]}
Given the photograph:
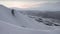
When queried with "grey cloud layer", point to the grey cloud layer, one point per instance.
{"points": [[49, 6], [29, 0]]}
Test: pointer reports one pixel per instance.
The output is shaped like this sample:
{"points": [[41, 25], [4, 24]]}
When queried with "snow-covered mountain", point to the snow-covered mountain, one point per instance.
{"points": [[22, 24]]}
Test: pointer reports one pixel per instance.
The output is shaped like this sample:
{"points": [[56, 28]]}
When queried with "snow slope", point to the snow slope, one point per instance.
{"points": [[7, 28], [21, 24]]}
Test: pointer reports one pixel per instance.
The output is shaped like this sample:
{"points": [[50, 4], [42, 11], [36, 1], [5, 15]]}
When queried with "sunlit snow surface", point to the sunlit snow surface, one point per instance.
{"points": [[22, 24]]}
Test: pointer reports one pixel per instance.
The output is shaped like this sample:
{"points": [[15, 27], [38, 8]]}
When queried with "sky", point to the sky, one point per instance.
{"points": [[21, 4], [26, 3]]}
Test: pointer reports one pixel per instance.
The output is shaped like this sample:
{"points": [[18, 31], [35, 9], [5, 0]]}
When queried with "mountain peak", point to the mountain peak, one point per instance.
{"points": [[2, 6]]}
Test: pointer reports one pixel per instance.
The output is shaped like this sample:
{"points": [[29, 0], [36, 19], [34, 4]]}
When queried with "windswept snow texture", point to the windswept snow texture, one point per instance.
{"points": [[22, 24]]}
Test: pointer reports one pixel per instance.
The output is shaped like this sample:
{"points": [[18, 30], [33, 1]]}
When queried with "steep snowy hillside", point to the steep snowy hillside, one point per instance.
{"points": [[5, 14], [20, 23]]}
